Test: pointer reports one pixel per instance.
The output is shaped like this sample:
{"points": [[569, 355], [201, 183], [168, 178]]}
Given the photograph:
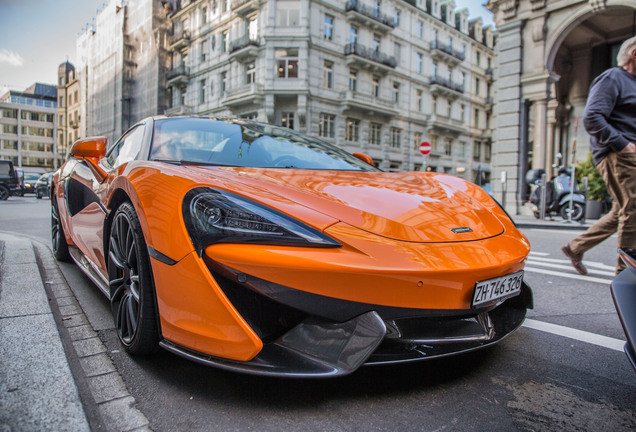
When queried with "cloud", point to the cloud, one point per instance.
{"points": [[11, 57]]}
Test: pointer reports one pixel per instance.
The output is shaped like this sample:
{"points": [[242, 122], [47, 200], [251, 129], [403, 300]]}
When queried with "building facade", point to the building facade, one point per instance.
{"points": [[68, 109], [28, 127], [547, 54], [121, 66], [378, 77]]}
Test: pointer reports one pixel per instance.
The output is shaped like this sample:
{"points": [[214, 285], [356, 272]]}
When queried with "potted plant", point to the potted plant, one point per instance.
{"points": [[596, 190]]}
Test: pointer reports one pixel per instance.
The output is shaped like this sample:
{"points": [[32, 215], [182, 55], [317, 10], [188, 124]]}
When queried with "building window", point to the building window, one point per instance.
{"points": [[434, 104], [487, 150], [461, 150], [417, 140], [448, 147], [203, 45], [328, 28], [202, 91], [223, 6], [419, 62], [477, 85], [476, 150], [211, 88], [375, 134], [396, 137], [375, 45], [250, 73], [420, 29], [61, 101], [375, 86], [223, 83], [396, 17], [462, 113], [352, 131], [327, 126], [396, 92], [287, 120], [397, 52], [418, 100], [353, 80], [477, 117], [353, 35], [61, 119], [327, 74], [224, 42], [434, 69], [287, 13], [287, 63], [449, 108], [204, 15], [376, 8], [478, 58]]}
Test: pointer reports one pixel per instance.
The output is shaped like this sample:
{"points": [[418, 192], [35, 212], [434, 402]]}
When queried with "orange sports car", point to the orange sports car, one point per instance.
{"points": [[255, 248]]}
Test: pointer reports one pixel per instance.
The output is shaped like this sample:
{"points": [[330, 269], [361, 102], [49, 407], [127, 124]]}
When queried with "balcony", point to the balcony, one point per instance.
{"points": [[369, 17], [367, 58], [179, 110], [180, 40], [243, 7], [446, 53], [178, 76], [489, 74], [446, 87], [249, 94], [244, 48], [366, 105], [444, 125]]}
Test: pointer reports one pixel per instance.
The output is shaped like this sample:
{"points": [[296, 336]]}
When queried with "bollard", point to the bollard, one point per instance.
{"points": [[543, 180]]}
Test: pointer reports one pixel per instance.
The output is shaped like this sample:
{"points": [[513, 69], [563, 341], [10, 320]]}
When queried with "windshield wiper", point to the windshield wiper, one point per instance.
{"points": [[188, 162]]}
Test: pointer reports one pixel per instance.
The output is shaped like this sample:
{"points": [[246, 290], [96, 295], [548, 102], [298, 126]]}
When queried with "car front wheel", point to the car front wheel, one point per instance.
{"points": [[130, 283], [4, 193]]}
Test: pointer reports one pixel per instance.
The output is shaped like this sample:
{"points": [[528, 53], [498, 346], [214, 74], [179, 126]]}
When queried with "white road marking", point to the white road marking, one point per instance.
{"points": [[568, 266], [568, 262], [533, 253], [580, 335], [568, 275]]}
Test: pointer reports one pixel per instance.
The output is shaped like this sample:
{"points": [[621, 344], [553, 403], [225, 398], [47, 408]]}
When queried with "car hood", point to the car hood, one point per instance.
{"points": [[418, 207]]}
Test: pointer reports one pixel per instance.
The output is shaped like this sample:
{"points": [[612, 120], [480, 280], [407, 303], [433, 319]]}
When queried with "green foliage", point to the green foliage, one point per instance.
{"points": [[596, 189]]}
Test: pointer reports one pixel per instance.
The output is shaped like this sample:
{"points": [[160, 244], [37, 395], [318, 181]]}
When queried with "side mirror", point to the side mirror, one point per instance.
{"points": [[364, 158], [91, 150], [93, 147]]}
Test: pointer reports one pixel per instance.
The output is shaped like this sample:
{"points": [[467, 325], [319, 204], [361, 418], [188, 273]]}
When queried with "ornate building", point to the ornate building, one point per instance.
{"points": [[373, 76], [547, 54], [68, 109]]}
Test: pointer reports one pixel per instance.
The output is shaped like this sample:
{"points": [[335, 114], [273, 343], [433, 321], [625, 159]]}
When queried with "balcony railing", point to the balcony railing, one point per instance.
{"points": [[180, 39], [243, 42], [354, 5], [448, 49], [447, 83], [178, 71], [370, 54]]}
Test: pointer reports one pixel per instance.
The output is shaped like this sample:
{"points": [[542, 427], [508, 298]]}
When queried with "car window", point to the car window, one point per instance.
{"points": [[127, 148], [246, 144]]}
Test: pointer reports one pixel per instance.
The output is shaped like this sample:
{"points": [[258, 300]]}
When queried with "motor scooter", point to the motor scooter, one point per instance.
{"points": [[557, 195], [623, 289]]}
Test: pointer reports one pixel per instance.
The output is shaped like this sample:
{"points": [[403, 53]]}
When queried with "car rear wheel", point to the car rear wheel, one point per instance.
{"points": [[130, 283], [58, 239], [4, 193]]}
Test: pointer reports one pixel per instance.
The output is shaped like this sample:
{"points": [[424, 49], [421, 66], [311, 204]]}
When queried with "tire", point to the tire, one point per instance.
{"points": [[536, 214], [578, 210], [132, 298], [38, 195], [4, 193], [58, 239]]}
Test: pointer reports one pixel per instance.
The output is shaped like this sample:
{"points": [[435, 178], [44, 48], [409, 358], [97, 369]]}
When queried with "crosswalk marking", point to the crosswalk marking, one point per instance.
{"points": [[568, 275], [568, 266], [580, 335]]}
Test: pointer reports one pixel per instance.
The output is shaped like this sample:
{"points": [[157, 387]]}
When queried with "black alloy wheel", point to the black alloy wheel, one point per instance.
{"points": [[130, 283], [58, 239], [4, 193]]}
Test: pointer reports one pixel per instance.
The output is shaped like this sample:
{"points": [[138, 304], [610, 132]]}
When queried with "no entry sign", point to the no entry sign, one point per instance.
{"points": [[425, 148]]}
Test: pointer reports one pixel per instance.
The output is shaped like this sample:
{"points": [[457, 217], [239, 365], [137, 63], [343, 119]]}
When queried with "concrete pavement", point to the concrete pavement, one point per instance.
{"points": [[55, 373]]}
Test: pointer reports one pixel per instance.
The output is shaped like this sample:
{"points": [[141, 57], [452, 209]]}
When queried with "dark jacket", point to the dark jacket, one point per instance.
{"points": [[610, 113]]}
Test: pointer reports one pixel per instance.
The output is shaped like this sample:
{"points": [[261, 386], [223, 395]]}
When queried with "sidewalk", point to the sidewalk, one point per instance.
{"points": [[527, 221]]}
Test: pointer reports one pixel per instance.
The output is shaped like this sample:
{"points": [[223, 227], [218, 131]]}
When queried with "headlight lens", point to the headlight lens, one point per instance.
{"points": [[218, 216]]}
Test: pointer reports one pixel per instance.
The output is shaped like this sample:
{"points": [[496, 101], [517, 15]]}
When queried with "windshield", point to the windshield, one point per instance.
{"points": [[245, 144]]}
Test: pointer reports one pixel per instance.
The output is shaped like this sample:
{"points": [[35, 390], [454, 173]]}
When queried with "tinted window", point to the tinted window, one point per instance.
{"points": [[127, 148], [246, 144]]}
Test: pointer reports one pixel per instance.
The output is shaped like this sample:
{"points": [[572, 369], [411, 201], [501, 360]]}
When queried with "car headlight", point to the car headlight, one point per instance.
{"points": [[218, 216]]}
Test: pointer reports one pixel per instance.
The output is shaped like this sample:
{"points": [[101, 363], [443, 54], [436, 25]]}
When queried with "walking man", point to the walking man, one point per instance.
{"points": [[610, 120]]}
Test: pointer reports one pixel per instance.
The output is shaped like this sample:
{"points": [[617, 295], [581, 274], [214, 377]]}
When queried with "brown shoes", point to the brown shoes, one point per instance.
{"points": [[577, 259]]}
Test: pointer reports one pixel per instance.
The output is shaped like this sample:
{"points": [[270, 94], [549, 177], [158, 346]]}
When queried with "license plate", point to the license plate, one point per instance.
{"points": [[497, 289]]}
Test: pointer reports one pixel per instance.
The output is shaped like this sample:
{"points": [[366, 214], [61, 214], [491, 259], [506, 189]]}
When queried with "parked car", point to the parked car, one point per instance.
{"points": [[43, 185], [29, 182], [9, 181], [258, 249]]}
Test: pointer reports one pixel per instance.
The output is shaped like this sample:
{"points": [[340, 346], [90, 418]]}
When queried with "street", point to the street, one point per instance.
{"points": [[563, 370]]}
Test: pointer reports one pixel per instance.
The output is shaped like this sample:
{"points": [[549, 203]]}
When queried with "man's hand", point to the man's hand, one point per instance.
{"points": [[629, 148]]}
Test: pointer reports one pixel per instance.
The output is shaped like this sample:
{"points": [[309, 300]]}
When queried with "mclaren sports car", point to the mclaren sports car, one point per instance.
{"points": [[258, 249]]}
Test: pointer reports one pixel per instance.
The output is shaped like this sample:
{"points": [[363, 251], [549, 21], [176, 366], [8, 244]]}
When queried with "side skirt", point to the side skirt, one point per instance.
{"points": [[90, 269]]}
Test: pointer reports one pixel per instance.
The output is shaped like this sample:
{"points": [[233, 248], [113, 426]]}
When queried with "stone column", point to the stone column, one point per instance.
{"points": [[540, 134]]}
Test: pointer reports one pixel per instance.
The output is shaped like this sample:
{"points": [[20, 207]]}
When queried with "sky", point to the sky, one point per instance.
{"points": [[37, 35]]}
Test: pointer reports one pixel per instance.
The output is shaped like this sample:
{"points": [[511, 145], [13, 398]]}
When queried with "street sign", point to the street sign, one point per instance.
{"points": [[425, 148]]}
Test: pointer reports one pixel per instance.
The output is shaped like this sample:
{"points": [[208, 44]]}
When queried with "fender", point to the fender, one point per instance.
{"points": [[577, 198]]}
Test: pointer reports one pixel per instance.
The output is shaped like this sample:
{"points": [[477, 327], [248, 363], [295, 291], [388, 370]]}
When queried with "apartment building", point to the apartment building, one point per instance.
{"points": [[377, 76], [28, 127], [68, 108]]}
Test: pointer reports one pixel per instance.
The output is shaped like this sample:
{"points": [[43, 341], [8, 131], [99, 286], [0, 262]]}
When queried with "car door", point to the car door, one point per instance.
{"points": [[84, 192]]}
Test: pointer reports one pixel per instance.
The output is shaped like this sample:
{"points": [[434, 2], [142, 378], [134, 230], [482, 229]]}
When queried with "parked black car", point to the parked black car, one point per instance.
{"points": [[9, 183], [29, 181], [43, 185]]}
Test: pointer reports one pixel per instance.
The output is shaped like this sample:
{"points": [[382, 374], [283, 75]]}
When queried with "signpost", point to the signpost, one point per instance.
{"points": [[425, 149]]}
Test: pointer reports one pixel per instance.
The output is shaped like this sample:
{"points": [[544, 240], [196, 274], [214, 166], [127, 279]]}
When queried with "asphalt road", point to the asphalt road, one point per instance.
{"points": [[564, 370]]}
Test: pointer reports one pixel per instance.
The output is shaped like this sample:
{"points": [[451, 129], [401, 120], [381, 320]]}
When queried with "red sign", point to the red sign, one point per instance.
{"points": [[425, 148]]}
